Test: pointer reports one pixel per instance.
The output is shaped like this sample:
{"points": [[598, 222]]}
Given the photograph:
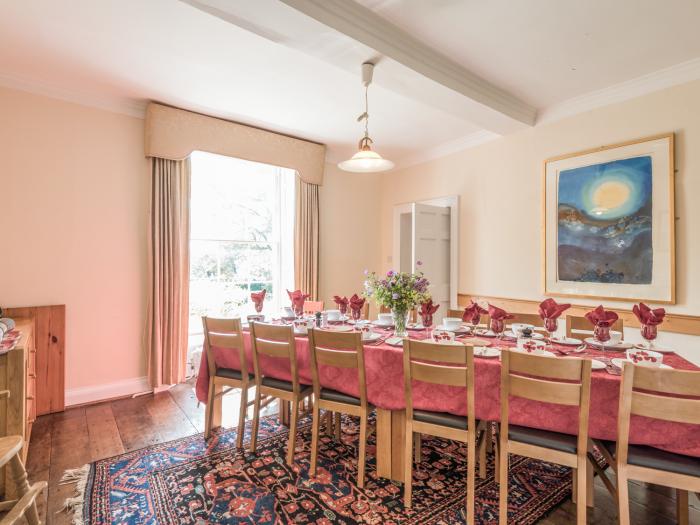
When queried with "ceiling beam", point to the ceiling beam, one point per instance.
{"points": [[368, 28]]}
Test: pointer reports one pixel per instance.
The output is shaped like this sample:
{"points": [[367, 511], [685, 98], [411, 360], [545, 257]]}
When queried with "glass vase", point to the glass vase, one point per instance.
{"points": [[400, 318]]}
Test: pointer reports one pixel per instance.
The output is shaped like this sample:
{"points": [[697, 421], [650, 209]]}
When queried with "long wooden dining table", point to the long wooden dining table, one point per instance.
{"points": [[385, 390]]}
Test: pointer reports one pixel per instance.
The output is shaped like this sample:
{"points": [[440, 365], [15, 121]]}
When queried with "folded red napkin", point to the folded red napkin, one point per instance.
{"points": [[258, 297], [648, 316], [340, 301], [428, 308], [550, 309], [473, 312], [601, 317], [298, 297], [356, 302], [498, 314]]}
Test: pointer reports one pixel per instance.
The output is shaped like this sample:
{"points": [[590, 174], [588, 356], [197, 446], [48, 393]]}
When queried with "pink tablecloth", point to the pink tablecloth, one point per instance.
{"points": [[384, 370]]}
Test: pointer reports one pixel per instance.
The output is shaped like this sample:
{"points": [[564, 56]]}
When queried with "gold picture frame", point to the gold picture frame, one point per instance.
{"points": [[575, 268]]}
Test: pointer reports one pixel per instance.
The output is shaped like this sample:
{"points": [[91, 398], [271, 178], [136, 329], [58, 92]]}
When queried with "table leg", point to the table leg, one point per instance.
{"points": [[391, 427]]}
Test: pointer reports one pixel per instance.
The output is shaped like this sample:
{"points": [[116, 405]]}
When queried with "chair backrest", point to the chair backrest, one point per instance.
{"points": [[274, 341], [667, 395], [311, 307], [549, 380], [224, 333], [577, 325], [484, 320], [338, 350], [427, 362]]}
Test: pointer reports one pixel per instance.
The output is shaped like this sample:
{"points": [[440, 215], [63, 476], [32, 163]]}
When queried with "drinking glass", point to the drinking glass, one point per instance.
{"points": [[498, 326], [356, 314], [649, 333], [602, 335], [474, 322], [298, 309], [427, 320], [259, 306], [343, 308], [551, 326]]}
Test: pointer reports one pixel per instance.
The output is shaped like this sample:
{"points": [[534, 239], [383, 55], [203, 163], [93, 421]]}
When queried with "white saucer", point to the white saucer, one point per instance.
{"points": [[535, 335], [622, 345], [383, 324], [661, 349], [620, 361], [394, 341], [567, 341], [462, 329], [415, 326], [371, 338], [485, 351], [449, 343]]}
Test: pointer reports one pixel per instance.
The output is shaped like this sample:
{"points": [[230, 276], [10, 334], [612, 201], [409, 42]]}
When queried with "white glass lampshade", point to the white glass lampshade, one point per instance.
{"points": [[366, 161]]}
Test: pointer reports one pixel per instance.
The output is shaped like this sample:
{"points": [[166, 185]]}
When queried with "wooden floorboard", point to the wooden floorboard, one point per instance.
{"points": [[82, 435]]}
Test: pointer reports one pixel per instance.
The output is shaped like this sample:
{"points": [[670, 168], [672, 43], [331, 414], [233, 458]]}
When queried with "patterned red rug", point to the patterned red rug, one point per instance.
{"points": [[188, 481]]}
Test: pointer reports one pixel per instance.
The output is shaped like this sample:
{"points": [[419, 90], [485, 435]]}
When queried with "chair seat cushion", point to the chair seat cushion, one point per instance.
{"points": [[650, 457], [441, 418], [281, 384], [333, 395], [230, 373], [543, 438]]}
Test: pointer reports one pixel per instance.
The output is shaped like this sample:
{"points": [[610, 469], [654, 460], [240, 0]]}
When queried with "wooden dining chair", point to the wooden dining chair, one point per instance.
{"points": [[666, 395], [23, 509], [441, 365], [226, 334], [311, 307], [548, 380], [339, 350], [578, 325], [276, 341]]}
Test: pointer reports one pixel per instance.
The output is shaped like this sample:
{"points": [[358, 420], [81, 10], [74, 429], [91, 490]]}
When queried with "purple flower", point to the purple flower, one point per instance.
{"points": [[390, 273], [394, 296], [366, 271], [419, 263]]}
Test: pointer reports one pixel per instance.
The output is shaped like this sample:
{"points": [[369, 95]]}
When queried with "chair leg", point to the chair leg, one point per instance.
{"points": [[256, 420], [19, 475], [471, 474], [292, 443], [623, 503], [362, 451], [682, 507], [581, 490], [417, 444], [503, 482], [408, 466], [209, 412], [484, 447], [241, 416], [315, 429], [328, 423]]}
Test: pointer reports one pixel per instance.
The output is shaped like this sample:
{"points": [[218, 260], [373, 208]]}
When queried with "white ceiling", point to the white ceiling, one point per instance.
{"points": [[267, 64]]}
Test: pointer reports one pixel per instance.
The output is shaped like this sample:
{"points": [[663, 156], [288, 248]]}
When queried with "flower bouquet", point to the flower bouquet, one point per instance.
{"points": [[400, 292]]}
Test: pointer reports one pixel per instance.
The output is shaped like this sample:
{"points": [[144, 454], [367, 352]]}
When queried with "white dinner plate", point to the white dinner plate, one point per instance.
{"points": [[463, 329], [597, 365], [394, 341], [339, 328], [620, 361], [449, 343], [545, 353], [535, 335], [567, 341], [415, 326], [485, 351], [622, 345], [485, 333], [301, 332], [371, 338], [662, 349], [384, 324]]}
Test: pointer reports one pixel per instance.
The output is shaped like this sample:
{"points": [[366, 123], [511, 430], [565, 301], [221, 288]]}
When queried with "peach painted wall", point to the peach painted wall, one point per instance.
{"points": [[350, 240], [74, 187], [500, 189]]}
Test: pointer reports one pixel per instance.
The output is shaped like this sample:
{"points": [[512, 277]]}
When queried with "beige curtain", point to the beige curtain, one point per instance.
{"points": [[306, 238], [168, 271]]}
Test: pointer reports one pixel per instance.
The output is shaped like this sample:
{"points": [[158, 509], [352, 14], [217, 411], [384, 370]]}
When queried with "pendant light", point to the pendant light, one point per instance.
{"points": [[366, 160]]}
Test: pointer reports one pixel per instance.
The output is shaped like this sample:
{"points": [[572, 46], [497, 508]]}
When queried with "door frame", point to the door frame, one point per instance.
{"points": [[448, 201]]}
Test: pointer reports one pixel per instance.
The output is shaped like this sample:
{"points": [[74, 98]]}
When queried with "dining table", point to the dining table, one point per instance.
{"points": [[385, 391]]}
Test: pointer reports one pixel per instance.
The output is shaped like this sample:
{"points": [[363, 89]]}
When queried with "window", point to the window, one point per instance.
{"points": [[241, 237]]}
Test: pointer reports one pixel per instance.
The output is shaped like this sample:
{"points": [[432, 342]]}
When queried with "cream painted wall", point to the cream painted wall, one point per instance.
{"points": [[350, 240], [74, 188], [500, 185]]}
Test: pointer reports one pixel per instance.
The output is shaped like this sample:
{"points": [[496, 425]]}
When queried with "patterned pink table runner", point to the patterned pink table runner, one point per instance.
{"points": [[384, 370]]}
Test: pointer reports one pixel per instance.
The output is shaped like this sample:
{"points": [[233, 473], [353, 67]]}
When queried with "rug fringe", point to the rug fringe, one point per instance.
{"points": [[75, 504]]}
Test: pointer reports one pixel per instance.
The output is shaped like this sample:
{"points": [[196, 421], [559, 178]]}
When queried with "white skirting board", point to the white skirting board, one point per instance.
{"points": [[90, 394]]}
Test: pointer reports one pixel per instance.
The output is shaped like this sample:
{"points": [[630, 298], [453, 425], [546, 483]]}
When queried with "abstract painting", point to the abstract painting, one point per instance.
{"points": [[602, 238]]}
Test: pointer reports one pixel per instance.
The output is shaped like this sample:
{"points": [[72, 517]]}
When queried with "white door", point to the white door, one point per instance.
{"points": [[431, 246]]}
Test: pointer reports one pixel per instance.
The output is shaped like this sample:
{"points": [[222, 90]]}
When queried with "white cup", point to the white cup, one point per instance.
{"points": [[615, 338], [451, 323], [531, 346], [303, 325], [386, 318], [333, 315], [517, 328]]}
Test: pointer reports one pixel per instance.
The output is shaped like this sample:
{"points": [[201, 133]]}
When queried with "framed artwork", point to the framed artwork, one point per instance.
{"points": [[609, 222]]}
